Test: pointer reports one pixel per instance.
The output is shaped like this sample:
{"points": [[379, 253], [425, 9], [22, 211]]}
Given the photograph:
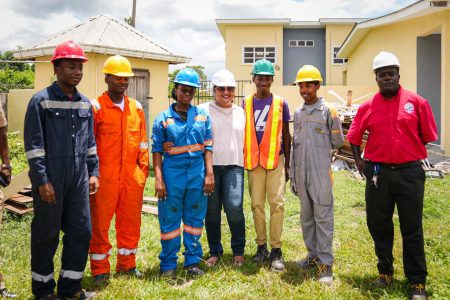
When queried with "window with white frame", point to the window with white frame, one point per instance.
{"points": [[250, 54], [335, 60], [301, 43]]}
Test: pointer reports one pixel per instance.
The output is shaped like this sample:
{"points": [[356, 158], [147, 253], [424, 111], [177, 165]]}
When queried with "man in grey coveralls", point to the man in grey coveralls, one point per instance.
{"points": [[317, 130]]}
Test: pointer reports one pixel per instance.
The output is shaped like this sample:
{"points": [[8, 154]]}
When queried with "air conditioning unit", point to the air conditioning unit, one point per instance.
{"points": [[436, 3]]}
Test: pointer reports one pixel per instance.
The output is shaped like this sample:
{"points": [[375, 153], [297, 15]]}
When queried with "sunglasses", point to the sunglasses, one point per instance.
{"points": [[227, 88]]}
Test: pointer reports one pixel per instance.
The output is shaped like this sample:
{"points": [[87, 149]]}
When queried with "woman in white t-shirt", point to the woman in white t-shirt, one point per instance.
{"points": [[228, 125]]}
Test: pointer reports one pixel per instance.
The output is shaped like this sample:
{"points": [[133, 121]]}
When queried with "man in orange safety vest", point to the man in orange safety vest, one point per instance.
{"points": [[266, 157]]}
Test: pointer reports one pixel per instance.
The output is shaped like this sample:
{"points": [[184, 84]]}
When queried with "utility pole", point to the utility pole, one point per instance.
{"points": [[133, 14]]}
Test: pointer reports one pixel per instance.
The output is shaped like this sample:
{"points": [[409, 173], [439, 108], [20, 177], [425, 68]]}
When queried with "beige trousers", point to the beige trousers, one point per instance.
{"points": [[268, 184]]}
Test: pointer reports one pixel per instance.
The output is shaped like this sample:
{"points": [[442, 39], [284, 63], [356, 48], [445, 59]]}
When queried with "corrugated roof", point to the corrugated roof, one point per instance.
{"points": [[106, 35]]}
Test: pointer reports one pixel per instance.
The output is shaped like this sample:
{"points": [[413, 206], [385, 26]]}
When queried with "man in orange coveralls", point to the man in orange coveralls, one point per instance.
{"points": [[122, 147]]}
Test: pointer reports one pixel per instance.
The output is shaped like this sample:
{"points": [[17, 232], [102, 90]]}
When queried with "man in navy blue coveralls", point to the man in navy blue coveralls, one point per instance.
{"points": [[61, 151]]}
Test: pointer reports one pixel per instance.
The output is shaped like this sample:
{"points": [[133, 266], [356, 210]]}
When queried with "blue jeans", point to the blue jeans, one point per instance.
{"points": [[229, 193]]}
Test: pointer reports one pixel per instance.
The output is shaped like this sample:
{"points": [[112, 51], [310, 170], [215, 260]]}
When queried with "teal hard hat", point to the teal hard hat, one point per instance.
{"points": [[263, 67], [189, 77]]}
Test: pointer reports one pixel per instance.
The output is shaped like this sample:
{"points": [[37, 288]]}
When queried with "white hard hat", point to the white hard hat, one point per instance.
{"points": [[385, 59], [223, 78]]}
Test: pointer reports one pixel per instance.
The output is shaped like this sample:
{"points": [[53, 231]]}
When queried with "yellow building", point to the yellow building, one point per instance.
{"points": [[420, 37], [101, 37], [287, 44]]}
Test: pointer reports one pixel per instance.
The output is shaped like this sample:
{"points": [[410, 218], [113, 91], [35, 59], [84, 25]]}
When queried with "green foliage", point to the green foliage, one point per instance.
{"points": [[128, 21], [15, 75], [17, 153], [354, 268]]}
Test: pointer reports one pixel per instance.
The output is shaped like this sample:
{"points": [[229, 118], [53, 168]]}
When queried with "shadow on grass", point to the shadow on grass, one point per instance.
{"points": [[296, 276], [364, 283], [226, 261]]}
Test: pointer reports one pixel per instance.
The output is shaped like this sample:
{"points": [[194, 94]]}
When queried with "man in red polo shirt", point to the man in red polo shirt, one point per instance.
{"points": [[399, 123]]}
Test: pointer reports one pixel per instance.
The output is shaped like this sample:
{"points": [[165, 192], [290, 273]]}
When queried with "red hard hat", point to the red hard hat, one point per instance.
{"points": [[69, 49]]}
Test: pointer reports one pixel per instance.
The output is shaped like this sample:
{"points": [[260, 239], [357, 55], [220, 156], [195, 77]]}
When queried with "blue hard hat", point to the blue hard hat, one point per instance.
{"points": [[189, 77]]}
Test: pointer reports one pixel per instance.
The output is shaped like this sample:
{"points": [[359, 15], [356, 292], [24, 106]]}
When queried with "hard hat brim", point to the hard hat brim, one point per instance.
{"points": [[83, 58], [187, 83], [224, 84], [263, 73], [120, 74], [381, 67], [309, 80]]}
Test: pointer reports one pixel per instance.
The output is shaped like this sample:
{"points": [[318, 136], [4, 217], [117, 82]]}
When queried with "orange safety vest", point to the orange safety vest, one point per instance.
{"points": [[267, 153]]}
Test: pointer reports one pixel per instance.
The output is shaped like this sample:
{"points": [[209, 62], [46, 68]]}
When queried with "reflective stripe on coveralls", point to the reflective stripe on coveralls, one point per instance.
{"points": [[100, 256], [183, 173], [122, 148], [267, 152]]}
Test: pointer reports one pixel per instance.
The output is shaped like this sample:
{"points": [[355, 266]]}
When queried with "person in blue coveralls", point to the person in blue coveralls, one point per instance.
{"points": [[184, 178], [62, 155]]}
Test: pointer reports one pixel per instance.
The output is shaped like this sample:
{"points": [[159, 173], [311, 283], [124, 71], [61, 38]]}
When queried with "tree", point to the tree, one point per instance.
{"points": [[14, 75], [128, 20], [198, 69]]}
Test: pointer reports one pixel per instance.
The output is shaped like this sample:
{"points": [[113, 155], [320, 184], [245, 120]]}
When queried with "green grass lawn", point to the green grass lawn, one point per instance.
{"points": [[354, 269]]}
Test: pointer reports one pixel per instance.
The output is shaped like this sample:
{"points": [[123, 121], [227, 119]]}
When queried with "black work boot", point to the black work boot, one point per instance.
{"points": [[383, 281], [194, 270], [276, 260], [262, 255], [308, 263], [325, 274], [418, 292], [4, 293]]}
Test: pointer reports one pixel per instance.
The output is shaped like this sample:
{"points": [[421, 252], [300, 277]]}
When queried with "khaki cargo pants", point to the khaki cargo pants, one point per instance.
{"points": [[268, 184]]}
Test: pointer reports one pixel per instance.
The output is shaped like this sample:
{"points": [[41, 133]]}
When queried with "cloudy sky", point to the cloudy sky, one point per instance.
{"points": [[187, 27]]}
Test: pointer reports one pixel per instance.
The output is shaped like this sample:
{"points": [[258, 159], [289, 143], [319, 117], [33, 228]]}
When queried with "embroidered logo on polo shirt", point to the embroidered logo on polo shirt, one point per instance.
{"points": [[409, 108]]}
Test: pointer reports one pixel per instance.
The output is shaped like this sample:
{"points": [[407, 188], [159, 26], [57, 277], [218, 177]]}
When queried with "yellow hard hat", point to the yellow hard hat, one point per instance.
{"points": [[308, 73], [118, 65]]}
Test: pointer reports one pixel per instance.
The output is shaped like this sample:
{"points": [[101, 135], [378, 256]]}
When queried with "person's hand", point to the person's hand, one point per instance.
{"points": [[5, 172], [167, 146], [93, 185], [208, 187], [47, 193], [294, 188], [160, 189], [360, 165]]}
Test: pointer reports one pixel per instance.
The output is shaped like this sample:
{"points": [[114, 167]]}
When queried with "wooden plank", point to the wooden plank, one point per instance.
{"points": [[26, 191], [19, 182], [150, 199], [22, 199], [17, 208], [349, 160], [150, 209]]}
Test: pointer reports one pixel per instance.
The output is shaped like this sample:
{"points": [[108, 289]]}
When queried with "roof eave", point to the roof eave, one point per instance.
{"points": [[48, 51], [361, 29]]}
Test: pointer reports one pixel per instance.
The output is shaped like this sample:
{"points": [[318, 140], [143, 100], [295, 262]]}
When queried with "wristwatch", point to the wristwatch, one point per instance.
{"points": [[6, 166]]}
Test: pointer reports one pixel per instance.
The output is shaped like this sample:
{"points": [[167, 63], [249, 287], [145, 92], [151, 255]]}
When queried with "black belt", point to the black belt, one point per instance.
{"points": [[398, 166]]}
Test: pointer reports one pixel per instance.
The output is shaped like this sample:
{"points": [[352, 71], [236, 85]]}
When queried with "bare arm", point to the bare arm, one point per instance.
{"points": [[160, 186], [5, 170], [208, 187], [286, 136]]}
